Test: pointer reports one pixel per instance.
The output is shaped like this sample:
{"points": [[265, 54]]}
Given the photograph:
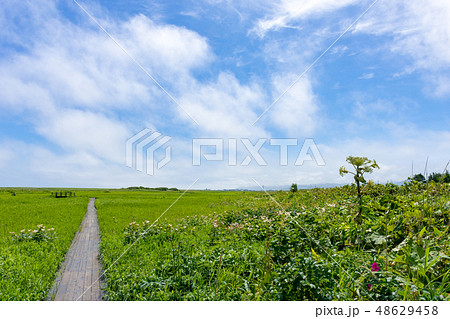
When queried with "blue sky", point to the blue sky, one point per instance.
{"points": [[70, 97]]}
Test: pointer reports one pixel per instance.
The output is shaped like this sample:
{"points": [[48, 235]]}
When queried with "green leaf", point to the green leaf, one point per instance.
{"points": [[422, 231], [377, 239], [420, 251]]}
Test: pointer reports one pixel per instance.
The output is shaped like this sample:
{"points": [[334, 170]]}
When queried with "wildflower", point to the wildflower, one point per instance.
{"points": [[51, 229], [11, 233], [40, 226], [35, 231], [22, 231], [375, 267]]}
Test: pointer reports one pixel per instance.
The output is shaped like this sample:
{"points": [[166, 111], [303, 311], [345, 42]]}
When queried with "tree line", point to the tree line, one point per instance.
{"points": [[436, 177]]}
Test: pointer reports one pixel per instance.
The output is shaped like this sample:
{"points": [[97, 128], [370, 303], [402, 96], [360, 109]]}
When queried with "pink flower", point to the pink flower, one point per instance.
{"points": [[375, 267]]}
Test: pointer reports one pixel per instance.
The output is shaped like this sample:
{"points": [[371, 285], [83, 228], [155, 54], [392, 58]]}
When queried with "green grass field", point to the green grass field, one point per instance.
{"points": [[298, 246], [212, 245], [28, 268], [116, 210]]}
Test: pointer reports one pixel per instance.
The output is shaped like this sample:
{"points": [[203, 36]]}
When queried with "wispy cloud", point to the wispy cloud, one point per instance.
{"points": [[286, 12], [367, 76], [420, 31]]}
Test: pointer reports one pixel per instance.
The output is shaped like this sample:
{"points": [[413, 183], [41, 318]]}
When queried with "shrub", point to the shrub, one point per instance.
{"points": [[40, 234]]}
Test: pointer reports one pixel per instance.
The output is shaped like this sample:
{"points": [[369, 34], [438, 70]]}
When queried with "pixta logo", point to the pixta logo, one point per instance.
{"points": [[141, 151], [141, 148], [212, 149]]}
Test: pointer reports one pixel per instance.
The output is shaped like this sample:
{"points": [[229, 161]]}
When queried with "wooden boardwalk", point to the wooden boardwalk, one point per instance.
{"points": [[81, 268]]}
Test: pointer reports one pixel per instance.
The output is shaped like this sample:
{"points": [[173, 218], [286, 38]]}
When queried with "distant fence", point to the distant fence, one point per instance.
{"points": [[63, 194]]}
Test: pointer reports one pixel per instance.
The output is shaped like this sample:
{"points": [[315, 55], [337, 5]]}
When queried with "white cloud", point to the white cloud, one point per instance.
{"points": [[82, 131], [419, 30], [72, 82], [6, 155], [287, 12], [367, 76], [85, 67], [76, 88], [225, 107], [36, 166], [296, 112], [298, 54], [18, 95], [415, 29], [439, 84], [167, 49]]}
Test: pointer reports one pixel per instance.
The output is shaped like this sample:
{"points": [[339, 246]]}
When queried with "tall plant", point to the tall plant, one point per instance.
{"points": [[361, 166]]}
